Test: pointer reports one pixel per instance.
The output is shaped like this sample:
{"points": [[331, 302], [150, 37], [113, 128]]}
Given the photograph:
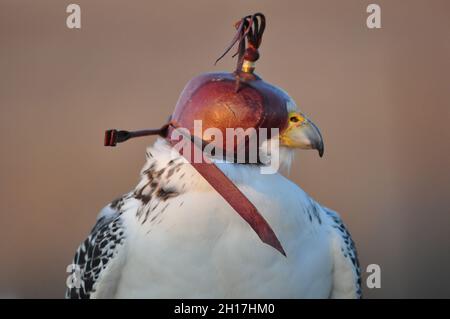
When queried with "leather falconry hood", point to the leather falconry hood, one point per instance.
{"points": [[227, 100]]}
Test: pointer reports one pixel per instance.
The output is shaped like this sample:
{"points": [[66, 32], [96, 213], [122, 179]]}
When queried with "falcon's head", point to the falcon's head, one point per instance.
{"points": [[300, 131]]}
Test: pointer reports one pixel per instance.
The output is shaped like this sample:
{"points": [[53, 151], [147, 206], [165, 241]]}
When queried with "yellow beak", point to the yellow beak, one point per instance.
{"points": [[302, 133]]}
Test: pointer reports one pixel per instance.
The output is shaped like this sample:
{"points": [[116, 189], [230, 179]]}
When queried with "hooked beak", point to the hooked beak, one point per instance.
{"points": [[302, 133]]}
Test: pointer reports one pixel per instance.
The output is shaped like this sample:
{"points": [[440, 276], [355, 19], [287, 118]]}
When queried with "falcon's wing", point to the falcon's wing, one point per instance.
{"points": [[98, 261], [346, 271]]}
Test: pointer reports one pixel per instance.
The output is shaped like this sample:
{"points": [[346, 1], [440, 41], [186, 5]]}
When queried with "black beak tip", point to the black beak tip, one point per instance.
{"points": [[320, 149]]}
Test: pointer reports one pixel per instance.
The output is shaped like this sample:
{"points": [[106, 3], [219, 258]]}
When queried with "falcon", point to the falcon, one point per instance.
{"points": [[221, 229]]}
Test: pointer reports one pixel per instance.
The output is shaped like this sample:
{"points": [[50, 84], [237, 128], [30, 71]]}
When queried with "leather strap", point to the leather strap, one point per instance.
{"points": [[217, 179], [233, 195]]}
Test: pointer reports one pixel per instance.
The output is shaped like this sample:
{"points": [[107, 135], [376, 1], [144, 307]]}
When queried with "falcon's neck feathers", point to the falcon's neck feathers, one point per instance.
{"points": [[167, 174], [165, 151], [161, 156]]}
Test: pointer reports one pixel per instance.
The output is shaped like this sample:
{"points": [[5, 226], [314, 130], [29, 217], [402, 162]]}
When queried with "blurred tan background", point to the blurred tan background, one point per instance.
{"points": [[381, 98]]}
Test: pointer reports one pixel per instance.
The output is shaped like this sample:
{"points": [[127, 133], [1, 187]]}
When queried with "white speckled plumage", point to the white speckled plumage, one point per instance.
{"points": [[182, 240]]}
